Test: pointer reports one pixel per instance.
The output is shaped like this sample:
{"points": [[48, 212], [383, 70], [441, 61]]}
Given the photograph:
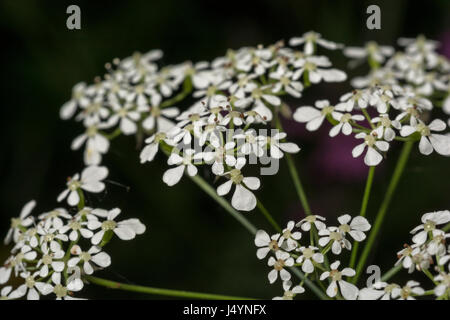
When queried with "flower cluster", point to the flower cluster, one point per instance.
{"points": [[393, 102], [53, 252], [229, 120], [429, 253], [286, 251]]}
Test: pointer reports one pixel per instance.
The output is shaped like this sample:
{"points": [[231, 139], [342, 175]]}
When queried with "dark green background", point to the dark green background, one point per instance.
{"points": [[191, 243]]}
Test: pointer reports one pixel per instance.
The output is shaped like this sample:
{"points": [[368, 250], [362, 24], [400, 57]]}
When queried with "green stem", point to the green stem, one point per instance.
{"points": [[446, 228], [81, 202], [295, 176], [392, 272], [159, 291], [225, 204], [363, 210], [187, 88], [429, 275], [401, 163], [366, 114], [268, 216]]}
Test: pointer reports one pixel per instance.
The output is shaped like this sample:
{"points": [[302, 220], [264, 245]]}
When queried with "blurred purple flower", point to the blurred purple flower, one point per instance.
{"points": [[445, 44]]}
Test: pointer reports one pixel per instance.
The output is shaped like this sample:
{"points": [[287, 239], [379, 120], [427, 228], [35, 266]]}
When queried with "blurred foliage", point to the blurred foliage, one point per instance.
{"points": [[191, 243]]}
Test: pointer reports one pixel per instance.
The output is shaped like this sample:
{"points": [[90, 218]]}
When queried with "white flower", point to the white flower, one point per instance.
{"points": [[382, 99], [126, 116], [52, 237], [218, 155], [257, 58], [259, 97], [429, 141], [310, 39], [286, 83], [316, 220], [53, 218], [277, 148], [243, 199], [125, 229], [345, 123], [337, 237], [312, 116], [250, 143], [371, 50], [91, 181], [152, 147], [78, 99], [289, 293], [308, 257], [356, 228], [172, 176], [76, 228], [24, 220], [290, 237], [50, 260], [313, 67], [352, 99], [348, 290], [385, 125], [5, 293], [90, 259], [62, 292], [266, 243], [158, 116], [429, 222], [96, 144], [32, 288], [443, 280], [405, 293], [379, 290], [374, 146], [16, 263], [282, 260]]}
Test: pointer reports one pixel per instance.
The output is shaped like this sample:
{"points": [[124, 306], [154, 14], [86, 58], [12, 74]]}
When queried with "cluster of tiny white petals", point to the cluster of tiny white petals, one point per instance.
{"points": [[429, 253], [52, 252], [396, 99], [285, 250]]}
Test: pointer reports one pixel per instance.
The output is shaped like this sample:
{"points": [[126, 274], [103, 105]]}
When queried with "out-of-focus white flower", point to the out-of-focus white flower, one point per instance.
{"points": [[310, 39], [24, 220]]}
